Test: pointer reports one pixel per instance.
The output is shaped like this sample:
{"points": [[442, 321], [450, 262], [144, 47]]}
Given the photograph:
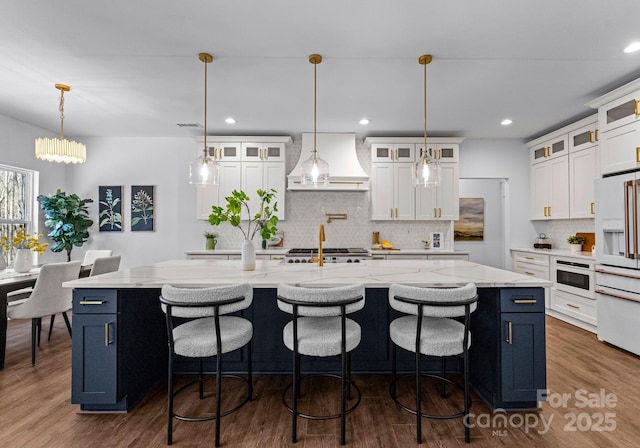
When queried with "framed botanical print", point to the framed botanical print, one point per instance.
{"points": [[110, 208], [436, 240], [142, 208]]}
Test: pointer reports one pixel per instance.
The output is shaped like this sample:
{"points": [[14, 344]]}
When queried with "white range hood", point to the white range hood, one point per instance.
{"points": [[339, 151]]}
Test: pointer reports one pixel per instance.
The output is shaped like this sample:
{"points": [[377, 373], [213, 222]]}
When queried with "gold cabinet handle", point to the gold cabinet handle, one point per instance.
{"points": [[260, 153], [92, 302], [529, 258], [396, 212], [391, 213], [591, 204], [106, 334], [638, 154], [596, 132], [635, 109], [529, 273], [220, 153], [435, 212], [573, 306], [591, 140], [439, 212], [525, 301], [549, 215], [545, 211], [510, 333]]}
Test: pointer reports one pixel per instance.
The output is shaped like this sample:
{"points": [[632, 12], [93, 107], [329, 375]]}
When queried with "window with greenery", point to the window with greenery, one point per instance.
{"points": [[17, 187]]}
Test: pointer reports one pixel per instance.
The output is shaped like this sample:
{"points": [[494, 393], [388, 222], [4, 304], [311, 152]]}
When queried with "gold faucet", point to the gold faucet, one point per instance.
{"points": [[321, 238]]}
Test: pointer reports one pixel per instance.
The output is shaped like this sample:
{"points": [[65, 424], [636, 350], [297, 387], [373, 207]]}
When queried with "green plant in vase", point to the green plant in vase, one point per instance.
{"points": [[211, 240], [264, 220]]}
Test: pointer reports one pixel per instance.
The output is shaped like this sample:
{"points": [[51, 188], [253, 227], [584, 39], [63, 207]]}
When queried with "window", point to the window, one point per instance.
{"points": [[18, 206]]}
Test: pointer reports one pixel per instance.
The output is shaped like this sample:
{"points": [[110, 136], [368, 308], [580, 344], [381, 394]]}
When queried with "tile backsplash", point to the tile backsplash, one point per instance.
{"points": [[560, 229], [305, 211]]}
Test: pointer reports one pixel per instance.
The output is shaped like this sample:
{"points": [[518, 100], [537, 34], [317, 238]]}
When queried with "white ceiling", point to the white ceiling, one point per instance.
{"points": [[134, 70]]}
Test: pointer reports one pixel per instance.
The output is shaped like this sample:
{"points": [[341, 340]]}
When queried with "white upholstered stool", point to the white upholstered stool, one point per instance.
{"points": [[208, 333], [430, 329], [320, 328]]}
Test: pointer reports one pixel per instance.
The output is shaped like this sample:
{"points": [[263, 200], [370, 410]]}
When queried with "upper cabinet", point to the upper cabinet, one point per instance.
{"points": [[619, 124], [393, 194], [563, 166], [248, 164]]}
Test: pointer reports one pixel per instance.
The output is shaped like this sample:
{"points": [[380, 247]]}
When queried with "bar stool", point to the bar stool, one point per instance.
{"points": [[320, 328], [206, 333], [430, 329]]}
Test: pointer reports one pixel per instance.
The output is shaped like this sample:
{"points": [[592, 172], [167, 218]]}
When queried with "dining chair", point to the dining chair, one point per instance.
{"points": [[102, 265], [47, 298], [91, 255]]}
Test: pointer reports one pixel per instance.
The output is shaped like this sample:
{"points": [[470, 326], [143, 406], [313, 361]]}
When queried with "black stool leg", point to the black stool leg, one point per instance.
{"points": [[53, 318], [444, 374], [418, 400], [200, 378], [218, 393], [170, 404], [343, 396], [393, 370], [66, 321], [296, 395], [249, 372], [466, 395]]}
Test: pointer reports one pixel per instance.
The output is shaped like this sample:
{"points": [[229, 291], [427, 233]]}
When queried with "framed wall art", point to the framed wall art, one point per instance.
{"points": [[142, 208], [110, 208], [470, 226], [436, 240]]}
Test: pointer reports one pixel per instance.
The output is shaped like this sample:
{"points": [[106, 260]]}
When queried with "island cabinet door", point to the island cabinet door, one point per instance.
{"points": [[523, 356], [94, 366]]}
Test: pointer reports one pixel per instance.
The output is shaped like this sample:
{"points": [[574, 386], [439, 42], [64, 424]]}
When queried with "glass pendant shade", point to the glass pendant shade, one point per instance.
{"points": [[204, 170], [427, 172], [315, 171]]}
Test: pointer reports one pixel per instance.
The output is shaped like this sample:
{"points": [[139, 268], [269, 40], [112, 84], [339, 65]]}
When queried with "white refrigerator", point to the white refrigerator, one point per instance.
{"points": [[617, 225]]}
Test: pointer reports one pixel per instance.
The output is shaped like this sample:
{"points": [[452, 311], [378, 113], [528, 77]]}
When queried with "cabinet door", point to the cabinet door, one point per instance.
{"points": [[404, 192], [583, 138], [273, 177], [582, 174], [228, 152], [94, 367], [523, 356], [252, 181], [620, 149], [382, 153], [539, 187], [448, 193], [273, 152], [393, 153], [382, 191], [623, 111], [206, 196], [426, 203], [559, 191], [230, 179]]}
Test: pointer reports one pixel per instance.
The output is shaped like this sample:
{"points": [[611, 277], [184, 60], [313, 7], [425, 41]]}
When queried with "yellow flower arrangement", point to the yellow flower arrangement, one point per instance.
{"points": [[24, 241]]}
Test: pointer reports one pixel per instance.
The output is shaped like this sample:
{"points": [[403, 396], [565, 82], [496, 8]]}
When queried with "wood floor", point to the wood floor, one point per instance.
{"points": [[35, 409]]}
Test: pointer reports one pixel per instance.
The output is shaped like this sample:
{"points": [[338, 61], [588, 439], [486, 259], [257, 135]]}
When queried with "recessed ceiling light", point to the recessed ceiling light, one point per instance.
{"points": [[506, 122], [365, 121], [635, 46], [230, 120]]}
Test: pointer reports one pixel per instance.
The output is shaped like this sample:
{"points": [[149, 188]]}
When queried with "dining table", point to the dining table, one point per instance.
{"points": [[10, 281]]}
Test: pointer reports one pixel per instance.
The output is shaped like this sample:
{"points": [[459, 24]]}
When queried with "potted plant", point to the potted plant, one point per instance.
{"points": [[575, 242], [211, 240], [23, 244], [263, 221], [68, 219]]}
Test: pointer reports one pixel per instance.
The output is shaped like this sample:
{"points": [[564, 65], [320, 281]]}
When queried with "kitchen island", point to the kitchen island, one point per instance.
{"points": [[119, 338]]}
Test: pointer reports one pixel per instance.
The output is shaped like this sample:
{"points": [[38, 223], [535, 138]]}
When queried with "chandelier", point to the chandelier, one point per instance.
{"points": [[59, 149]]}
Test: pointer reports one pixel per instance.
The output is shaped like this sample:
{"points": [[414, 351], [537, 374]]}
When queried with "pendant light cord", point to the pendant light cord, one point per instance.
{"points": [[61, 109], [425, 108], [315, 108], [205, 111]]}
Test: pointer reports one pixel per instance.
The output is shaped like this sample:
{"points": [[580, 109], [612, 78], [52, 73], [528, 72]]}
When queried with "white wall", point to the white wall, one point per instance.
{"points": [[164, 163]]}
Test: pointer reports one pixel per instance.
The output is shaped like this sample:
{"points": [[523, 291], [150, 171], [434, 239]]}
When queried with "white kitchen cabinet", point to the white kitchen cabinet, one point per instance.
{"points": [[247, 163], [584, 137], [264, 175], [398, 255], [441, 202], [550, 149], [620, 149], [446, 153], [392, 191], [256, 151], [533, 265], [549, 189], [225, 151], [209, 195], [583, 171], [387, 152]]}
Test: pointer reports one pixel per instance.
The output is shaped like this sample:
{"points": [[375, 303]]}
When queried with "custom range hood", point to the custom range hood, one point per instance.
{"points": [[339, 151]]}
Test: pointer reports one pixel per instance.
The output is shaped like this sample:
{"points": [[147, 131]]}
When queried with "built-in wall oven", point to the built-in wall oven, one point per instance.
{"points": [[574, 276]]}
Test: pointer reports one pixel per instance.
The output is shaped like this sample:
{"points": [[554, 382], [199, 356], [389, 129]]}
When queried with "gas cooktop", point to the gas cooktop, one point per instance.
{"points": [[329, 251], [330, 255]]}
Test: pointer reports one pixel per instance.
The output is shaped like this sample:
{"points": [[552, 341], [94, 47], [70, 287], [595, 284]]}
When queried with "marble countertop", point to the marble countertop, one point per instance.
{"points": [[419, 251], [557, 252], [270, 251], [269, 273], [282, 251]]}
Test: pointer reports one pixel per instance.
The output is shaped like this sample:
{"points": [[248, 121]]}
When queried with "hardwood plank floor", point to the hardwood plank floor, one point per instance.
{"points": [[35, 409]]}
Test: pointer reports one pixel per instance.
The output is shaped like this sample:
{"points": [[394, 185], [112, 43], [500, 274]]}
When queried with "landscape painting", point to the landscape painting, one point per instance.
{"points": [[142, 208], [110, 208], [470, 226]]}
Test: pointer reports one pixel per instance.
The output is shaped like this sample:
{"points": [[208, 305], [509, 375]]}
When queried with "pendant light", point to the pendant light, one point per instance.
{"points": [[315, 171], [204, 170], [427, 170], [59, 149]]}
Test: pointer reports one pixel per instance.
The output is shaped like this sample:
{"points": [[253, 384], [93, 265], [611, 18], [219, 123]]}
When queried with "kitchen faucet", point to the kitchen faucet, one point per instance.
{"points": [[321, 238]]}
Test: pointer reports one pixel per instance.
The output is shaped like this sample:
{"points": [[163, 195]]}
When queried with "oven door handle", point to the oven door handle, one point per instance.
{"points": [[617, 296], [619, 274]]}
